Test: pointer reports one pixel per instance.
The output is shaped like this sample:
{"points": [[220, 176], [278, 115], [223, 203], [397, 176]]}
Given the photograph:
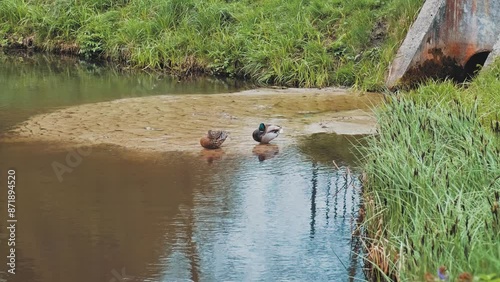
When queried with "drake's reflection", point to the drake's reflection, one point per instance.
{"points": [[266, 151]]}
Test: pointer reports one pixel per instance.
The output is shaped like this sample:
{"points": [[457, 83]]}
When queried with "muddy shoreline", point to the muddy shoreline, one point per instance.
{"points": [[175, 123]]}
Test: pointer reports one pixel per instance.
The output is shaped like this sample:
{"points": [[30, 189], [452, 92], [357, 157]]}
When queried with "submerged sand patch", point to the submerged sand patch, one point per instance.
{"points": [[176, 122]]}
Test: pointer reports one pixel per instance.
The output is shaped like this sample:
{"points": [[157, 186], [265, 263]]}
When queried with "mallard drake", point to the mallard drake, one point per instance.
{"points": [[213, 139], [266, 132]]}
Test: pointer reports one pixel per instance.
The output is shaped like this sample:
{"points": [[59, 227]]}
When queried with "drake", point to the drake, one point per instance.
{"points": [[213, 139], [266, 132]]}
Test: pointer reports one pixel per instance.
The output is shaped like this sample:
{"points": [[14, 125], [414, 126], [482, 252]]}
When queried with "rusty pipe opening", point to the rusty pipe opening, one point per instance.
{"points": [[474, 64]]}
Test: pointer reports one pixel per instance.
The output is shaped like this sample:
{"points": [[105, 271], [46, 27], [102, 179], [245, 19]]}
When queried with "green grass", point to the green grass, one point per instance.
{"points": [[433, 181], [294, 42]]}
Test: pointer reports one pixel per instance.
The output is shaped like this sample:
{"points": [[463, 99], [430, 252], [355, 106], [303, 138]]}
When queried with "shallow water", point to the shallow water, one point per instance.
{"points": [[42, 83], [276, 213]]}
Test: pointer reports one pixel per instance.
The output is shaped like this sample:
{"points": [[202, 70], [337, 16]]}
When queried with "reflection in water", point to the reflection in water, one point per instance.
{"points": [[314, 181], [263, 222], [186, 220], [178, 218], [328, 147], [265, 151], [212, 155]]}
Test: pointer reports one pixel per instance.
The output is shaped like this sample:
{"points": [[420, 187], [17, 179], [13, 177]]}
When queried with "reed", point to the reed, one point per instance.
{"points": [[433, 182]]}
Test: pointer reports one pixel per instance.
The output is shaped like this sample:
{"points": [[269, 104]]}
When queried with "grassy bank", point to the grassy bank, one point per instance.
{"points": [[289, 42], [433, 181]]}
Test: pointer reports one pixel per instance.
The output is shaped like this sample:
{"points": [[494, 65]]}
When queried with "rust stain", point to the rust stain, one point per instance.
{"points": [[454, 13], [454, 49], [439, 66], [461, 29], [448, 27], [470, 50], [459, 12]]}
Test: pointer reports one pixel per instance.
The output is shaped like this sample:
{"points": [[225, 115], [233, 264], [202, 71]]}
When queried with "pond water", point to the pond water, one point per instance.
{"points": [[117, 215], [35, 84]]}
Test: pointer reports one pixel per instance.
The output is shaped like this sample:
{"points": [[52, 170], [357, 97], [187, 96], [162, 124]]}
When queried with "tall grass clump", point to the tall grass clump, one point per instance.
{"points": [[433, 182], [295, 42]]}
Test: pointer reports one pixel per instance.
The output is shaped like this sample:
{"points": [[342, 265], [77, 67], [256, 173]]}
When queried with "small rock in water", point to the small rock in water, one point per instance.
{"points": [[152, 128]]}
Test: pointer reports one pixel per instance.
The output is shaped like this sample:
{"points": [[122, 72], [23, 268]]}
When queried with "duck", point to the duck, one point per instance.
{"points": [[266, 132], [213, 139]]}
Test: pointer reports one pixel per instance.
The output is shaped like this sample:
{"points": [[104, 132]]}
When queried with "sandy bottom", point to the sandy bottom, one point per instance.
{"points": [[176, 123]]}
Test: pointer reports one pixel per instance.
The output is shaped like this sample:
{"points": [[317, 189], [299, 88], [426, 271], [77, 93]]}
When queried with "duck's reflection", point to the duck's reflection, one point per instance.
{"points": [[266, 151], [212, 155]]}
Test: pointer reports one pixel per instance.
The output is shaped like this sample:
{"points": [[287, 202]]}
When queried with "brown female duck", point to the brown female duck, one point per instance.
{"points": [[213, 139]]}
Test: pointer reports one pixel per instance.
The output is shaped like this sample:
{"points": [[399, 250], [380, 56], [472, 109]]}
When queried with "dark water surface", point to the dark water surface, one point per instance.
{"points": [[118, 216]]}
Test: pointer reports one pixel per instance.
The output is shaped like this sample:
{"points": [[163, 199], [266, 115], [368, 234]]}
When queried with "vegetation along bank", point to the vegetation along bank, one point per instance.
{"points": [[306, 43], [432, 183]]}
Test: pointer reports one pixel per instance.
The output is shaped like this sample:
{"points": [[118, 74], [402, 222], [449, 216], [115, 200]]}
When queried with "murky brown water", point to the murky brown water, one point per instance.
{"points": [[280, 212], [178, 217]]}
